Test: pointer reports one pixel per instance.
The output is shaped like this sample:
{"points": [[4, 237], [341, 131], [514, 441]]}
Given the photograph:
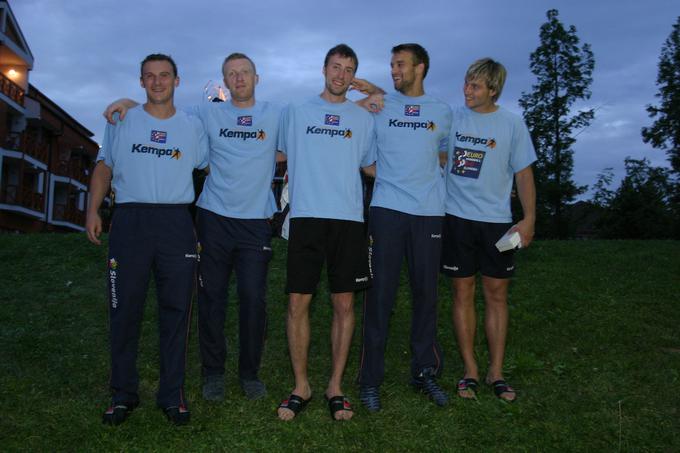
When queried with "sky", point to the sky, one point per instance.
{"points": [[87, 52]]}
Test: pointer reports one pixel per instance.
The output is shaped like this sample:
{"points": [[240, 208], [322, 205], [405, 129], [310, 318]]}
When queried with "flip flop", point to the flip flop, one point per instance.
{"points": [[468, 384], [500, 387], [295, 403], [338, 403]]}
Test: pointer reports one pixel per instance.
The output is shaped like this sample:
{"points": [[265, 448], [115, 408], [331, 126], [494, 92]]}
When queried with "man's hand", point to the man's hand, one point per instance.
{"points": [[525, 228], [93, 226], [121, 106], [365, 87], [526, 190]]}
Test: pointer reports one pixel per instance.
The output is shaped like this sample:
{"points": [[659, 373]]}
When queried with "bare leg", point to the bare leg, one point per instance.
{"points": [[297, 328], [341, 339], [496, 326], [465, 323]]}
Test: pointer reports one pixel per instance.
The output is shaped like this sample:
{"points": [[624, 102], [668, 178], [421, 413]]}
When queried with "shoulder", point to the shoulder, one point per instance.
{"points": [[187, 121], [271, 108]]}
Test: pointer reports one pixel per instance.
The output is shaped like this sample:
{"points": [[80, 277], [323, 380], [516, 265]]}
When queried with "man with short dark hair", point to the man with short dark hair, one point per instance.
{"points": [[405, 221], [148, 160], [489, 147], [327, 139]]}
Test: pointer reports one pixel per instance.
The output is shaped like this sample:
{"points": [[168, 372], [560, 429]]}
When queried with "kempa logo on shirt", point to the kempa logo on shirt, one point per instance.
{"points": [[450, 268], [435, 236], [172, 153], [415, 125], [488, 142], [361, 280], [316, 130], [243, 135]]}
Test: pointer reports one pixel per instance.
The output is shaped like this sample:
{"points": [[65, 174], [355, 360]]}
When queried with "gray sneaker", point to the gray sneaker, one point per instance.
{"points": [[213, 387], [254, 389]]}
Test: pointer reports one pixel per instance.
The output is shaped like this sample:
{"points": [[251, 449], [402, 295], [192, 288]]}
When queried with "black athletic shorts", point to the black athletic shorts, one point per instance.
{"points": [[342, 244], [469, 246]]}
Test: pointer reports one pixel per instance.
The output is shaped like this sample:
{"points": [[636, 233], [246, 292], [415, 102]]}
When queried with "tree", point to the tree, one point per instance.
{"points": [[641, 207], [665, 131], [564, 73]]}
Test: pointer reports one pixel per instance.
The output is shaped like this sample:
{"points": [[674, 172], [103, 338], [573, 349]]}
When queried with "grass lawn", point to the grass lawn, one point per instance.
{"points": [[594, 352]]}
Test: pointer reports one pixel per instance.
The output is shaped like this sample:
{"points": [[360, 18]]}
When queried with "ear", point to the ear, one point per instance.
{"points": [[323, 71], [257, 79], [176, 81], [141, 82], [420, 69]]}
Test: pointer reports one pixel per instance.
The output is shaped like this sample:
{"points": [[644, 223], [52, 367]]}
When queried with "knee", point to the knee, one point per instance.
{"points": [[297, 308], [343, 307]]}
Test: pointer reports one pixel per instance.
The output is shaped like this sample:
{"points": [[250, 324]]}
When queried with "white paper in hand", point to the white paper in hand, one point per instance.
{"points": [[509, 241]]}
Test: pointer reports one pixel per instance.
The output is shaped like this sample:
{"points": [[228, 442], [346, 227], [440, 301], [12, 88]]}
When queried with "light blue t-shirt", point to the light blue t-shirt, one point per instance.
{"points": [[485, 152], [152, 159], [410, 133], [243, 145], [326, 144]]}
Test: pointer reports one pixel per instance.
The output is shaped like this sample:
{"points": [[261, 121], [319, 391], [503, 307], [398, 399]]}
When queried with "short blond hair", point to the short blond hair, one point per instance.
{"points": [[491, 71]]}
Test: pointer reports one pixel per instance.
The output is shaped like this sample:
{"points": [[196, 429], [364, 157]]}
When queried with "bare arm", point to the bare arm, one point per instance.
{"points": [[281, 157], [443, 157], [121, 106], [366, 87], [373, 102], [369, 171], [526, 190], [99, 187]]}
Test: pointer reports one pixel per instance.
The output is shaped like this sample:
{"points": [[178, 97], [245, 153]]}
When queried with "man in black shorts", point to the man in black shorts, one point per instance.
{"points": [[488, 148], [327, 140]]}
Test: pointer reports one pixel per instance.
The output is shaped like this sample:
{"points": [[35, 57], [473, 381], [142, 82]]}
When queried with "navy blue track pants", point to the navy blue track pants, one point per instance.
{"points": [[394, 235], [228, 245], [143, 238]]}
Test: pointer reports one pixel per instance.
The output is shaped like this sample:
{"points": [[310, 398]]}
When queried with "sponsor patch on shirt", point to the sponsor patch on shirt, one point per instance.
{"points": [[159, 136], [412, 110], [467, 162], [332, 120], [245, 120]]}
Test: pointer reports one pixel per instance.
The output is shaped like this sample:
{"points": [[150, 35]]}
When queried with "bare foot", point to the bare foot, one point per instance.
{"points": [[294, 404], [467, 388], [340, 407], [501, 389]]}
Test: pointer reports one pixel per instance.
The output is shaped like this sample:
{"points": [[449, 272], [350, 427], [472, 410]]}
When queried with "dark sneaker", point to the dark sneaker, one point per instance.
{"points": [[118, 413], [178, 415], [426, 383], [213, 387], [370, 398], [253, 388]]}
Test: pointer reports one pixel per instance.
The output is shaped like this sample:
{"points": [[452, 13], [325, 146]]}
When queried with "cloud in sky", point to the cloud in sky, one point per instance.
{"points": [[87, 52]]}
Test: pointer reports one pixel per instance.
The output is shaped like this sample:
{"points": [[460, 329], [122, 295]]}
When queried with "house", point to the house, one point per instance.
{"points": [[46, 156]]}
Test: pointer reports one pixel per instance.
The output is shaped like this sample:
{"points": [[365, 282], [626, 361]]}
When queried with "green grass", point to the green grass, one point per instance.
{"points": [[594, 352]]}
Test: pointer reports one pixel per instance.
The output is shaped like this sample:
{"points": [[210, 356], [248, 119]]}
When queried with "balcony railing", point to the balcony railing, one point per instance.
{"points": [[22, 196], [27, 144], [11, 90], [74, 169], [68, 212]]}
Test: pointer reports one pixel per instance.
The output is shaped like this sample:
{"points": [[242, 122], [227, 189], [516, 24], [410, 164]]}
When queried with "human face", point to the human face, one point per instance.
{"points": [[159, 81], [404, 71], [339, 73], [240, 79], [478, 96]]}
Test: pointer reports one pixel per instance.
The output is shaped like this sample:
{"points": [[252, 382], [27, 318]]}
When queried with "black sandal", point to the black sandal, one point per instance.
{"points": [[468, 384], [295, 403], [338, 403], [500, 387]]}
